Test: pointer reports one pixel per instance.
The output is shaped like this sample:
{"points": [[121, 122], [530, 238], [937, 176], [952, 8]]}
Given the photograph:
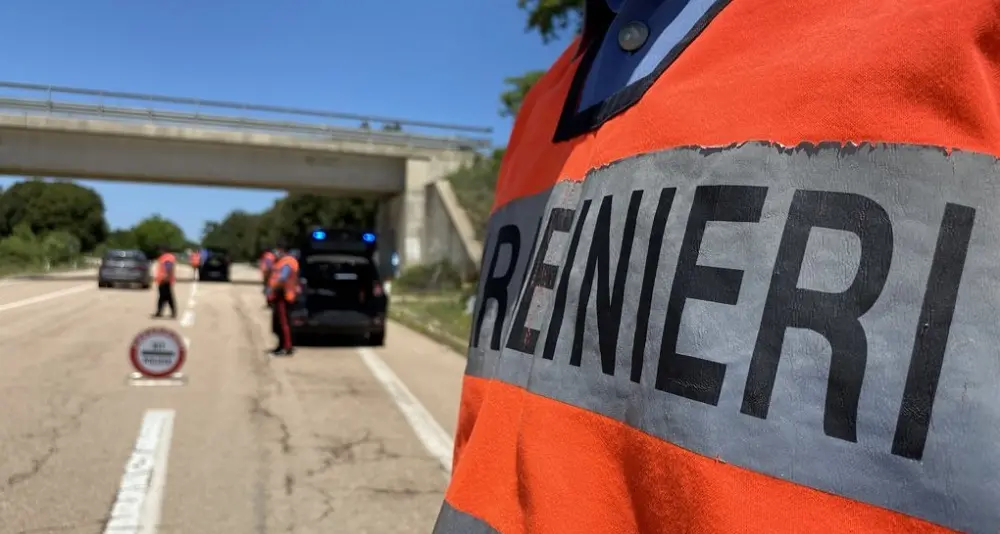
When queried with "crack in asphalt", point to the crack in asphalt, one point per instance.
{"points": [[53, 435], [257, 408], [349, 451], [84, 525], [266, 382], [400, 492]]}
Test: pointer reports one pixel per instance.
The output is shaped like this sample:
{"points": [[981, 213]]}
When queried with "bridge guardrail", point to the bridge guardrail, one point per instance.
{"points": [[241, 124], [149, 114]]}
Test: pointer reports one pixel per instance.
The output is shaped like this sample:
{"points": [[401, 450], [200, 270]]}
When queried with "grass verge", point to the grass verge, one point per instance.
{"points": [[7, 271], [439, 316]]}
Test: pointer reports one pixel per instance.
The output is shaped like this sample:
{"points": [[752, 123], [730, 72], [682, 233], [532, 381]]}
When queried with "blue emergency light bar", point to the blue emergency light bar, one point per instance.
{"points": [[334, 240], [321, 235]]}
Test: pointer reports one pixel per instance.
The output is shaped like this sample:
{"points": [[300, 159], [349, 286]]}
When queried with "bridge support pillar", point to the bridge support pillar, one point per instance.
{"points": [[387, 227], [402, 219]]}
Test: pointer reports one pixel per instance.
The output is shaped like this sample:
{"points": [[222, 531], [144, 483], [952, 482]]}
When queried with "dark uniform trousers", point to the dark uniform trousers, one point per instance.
{"points": [[166, 297], [279, 322]]}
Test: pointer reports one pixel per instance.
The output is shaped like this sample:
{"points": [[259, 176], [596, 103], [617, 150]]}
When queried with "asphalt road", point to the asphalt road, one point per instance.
{"points": [[333, 439]]}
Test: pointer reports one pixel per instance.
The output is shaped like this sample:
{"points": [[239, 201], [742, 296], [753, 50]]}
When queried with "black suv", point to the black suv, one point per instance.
{"points": [[342, 291], [215, 266]]}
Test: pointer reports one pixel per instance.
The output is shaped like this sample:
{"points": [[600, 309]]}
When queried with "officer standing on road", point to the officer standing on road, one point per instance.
{"points": [[266, 264], [195, 263], [165, 276], [630, 372], [282, 290]]}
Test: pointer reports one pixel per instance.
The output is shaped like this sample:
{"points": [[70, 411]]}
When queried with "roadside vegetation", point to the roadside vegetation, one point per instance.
{"points": [[432, 300]]}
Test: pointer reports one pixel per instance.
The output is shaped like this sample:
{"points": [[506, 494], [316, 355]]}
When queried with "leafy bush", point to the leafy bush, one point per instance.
{"points": [[60, 247], [474, 186], [23, 251], [441, 276]]}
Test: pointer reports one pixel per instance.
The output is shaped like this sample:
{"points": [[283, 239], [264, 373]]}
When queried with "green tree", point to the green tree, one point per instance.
{"points": [[246, 235], [474, 186], [155, 231], [297, 213], [122, 239], [21, 248], [237, 233], [517, 89], [550, 18], [54, 206], [60, 247]]}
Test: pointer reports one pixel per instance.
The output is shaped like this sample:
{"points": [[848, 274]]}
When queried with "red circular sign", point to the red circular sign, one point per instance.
{"points": [[157, 353]]}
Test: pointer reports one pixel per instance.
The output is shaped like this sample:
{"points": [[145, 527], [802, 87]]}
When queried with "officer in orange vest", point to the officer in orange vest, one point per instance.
{"points": [[741, 277], [195, 263], [282, 290], [265, 264], [165, 277]]}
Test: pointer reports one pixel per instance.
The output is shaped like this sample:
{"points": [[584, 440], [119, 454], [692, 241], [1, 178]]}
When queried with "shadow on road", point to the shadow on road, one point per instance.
{"points": [[329, 341]]}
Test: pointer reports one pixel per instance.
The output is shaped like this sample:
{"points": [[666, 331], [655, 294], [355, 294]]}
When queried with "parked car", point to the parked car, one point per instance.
{"points": [[342, 289], [124, 267], [215, 266]]}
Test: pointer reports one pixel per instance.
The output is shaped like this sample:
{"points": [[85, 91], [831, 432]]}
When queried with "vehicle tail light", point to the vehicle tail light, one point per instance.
{"points": [[377, 289]]}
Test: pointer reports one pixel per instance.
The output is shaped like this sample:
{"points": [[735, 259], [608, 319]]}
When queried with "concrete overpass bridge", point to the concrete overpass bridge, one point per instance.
{"points": [[106, 135]]}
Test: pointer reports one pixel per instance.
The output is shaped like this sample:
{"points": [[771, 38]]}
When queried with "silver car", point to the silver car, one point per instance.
{"points": [[124, 267]]}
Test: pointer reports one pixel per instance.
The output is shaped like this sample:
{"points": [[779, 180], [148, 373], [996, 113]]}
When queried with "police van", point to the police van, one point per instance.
{"points": [[342, 288]]}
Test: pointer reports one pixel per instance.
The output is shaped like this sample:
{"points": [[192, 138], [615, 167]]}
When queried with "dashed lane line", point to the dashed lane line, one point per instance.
{"points": [[187, 319], [139, 501]]}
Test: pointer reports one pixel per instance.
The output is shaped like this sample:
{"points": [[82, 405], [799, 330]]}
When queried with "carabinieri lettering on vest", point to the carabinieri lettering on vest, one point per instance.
{"points": [[687, 278]]}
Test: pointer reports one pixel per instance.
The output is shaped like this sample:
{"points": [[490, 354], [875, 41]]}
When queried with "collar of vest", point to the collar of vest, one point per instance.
{"points": [[597, 17]]}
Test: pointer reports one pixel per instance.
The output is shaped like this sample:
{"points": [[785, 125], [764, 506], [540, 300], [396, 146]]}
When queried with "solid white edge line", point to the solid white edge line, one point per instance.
{"points": [[44, 297], [139, 500], [437, 442]]}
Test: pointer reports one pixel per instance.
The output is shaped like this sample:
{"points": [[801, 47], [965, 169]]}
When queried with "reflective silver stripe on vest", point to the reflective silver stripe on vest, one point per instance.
{"points": [[453, 521], [829, 316]]}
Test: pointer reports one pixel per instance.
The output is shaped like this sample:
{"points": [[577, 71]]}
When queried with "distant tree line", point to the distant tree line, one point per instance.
{"points": [[55, 222], [245, 235]]}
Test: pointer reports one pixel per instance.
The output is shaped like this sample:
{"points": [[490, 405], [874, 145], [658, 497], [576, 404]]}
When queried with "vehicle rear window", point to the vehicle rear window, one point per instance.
{"points": [[338, 268], [125, 255]]}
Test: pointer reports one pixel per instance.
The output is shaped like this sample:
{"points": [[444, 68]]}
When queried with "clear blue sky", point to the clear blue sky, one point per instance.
{"points": [[441, 60]]}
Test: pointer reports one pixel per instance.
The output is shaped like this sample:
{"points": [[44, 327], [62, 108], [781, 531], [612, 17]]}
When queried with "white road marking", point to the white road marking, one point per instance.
{"points": [[45, 297], [188, 318], [428, 430], [140, 494]]}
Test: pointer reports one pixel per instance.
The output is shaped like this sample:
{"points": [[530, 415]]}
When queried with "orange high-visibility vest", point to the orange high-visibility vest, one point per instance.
{"points": [[161, 269], [290, 288], [760, 299], [195, 259], [264, 259]]}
